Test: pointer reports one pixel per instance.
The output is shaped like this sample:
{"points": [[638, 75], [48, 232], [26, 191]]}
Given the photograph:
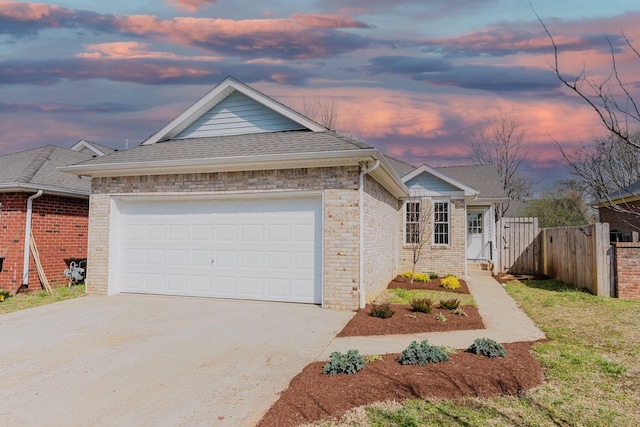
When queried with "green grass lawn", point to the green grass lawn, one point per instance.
{"points": [[404, 296], [592, 369], [25, 300]]}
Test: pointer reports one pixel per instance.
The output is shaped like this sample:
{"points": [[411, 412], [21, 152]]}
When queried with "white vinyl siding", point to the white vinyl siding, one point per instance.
{"points": [[237, 115]]}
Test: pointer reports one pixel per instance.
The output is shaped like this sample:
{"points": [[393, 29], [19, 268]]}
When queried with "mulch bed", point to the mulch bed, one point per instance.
{"points": [[433, 285], [403, 322], [313, 396]]}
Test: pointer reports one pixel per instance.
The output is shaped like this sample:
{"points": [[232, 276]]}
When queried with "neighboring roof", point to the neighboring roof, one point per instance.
{"points": [[217, 95], [627, 194], [483, 178], [92, 148], [37, 169], [402, 168]]}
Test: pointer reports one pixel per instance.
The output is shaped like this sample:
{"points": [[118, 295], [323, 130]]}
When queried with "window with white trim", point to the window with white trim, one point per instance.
{"points": [[412, 222], [440, 223]]}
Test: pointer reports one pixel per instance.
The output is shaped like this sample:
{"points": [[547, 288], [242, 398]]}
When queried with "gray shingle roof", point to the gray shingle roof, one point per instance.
{"points": [[627, 192], [402, 168], [37, 169], [482, 178], [268, 143]]}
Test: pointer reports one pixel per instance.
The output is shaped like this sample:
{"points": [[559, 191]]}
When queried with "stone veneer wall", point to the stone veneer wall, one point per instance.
{"points": [[382, 220], [341, 227], [441, 259]]}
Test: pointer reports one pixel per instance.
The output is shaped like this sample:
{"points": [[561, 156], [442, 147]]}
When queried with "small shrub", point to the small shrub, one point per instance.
{"points": [[382, 311], [432, 275], [344, 363], [418, 277], [449, 350], [441, 317], [487, 347], [450, 304], [460, 312], [450, 282], [422, 353], [422, 305], [372, 358]]}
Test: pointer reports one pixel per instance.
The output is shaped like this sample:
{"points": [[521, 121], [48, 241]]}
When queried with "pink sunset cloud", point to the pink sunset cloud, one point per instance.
{"points": [[190, 5], [131, 50]]}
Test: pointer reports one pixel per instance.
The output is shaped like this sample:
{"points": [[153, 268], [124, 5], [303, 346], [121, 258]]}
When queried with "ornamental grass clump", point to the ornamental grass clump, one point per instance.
{"points": [[450, 304], [450, 282], [350, 362], [422, 353], [382, 311], [422, 305], [487, 347]]}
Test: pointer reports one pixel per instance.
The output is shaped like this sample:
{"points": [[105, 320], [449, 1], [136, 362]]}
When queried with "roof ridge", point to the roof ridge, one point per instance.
{"points": [[349, 140], [34, 166]]}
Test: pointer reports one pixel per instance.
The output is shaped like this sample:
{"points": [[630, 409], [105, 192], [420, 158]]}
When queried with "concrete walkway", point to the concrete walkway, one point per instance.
{"points": [[503, 320]]}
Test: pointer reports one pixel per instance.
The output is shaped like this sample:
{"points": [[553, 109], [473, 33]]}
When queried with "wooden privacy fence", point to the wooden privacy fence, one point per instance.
{"points": [[580, 256], [517, 249]]}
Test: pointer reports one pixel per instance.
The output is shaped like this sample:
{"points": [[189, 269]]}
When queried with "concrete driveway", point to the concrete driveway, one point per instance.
{"points": [[152, 360]]}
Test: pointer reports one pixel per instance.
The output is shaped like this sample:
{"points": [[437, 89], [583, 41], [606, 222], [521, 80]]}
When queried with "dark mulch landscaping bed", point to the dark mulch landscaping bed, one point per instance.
{"points": [[433, 285], [405, 321], [313, 396]]}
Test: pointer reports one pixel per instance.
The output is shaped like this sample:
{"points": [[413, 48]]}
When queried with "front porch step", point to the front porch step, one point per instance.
{"points": [[480, 266]]}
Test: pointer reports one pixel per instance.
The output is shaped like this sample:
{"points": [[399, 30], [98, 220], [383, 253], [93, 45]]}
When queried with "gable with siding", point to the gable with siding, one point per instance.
{"points": [[238, 115], [426, 184]]}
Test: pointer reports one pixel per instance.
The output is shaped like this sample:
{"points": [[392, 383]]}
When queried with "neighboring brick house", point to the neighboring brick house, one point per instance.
{"points": [[53, 204], [242, 197], [621, 209]]}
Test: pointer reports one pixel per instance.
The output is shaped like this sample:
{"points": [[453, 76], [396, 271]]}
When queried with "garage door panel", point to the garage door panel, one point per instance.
{"points": [[266, 249], [177, 284]]}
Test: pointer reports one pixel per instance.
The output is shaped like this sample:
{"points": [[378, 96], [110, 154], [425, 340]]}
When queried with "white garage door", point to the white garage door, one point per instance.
{"points": [[260, 249]]}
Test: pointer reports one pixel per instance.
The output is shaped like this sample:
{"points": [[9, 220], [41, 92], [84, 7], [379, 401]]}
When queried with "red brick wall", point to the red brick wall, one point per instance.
{"points": [[59, 226], [621, 221], [627, 267]]}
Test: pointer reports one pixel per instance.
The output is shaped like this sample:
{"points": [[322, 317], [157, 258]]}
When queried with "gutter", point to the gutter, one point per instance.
{"points": [[27, 239], [363, 171]]}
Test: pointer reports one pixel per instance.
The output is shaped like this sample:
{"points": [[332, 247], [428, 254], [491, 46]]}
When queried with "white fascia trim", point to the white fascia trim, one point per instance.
{"points": [[223, 164], [216, 95], [389, 179], [468, 191], [78, 146], [21, 188]]}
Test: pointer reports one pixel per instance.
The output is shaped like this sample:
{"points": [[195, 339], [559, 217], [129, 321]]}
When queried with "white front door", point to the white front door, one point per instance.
{"points": [[475, 236], [261, 249]]}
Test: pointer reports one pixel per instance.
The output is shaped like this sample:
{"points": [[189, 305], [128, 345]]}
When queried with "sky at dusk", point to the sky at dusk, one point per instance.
{"points": [[414, 78]]}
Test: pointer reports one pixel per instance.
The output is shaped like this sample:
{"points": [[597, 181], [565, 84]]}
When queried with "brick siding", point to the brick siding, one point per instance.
{"points": [[627, 268], [441, 259], [382, 220], [59, 226], [621, 221], [341, 212]]}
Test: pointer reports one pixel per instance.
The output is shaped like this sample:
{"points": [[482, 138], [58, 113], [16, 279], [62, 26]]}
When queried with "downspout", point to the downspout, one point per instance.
{"points": [[363, 171], [27, 239]]}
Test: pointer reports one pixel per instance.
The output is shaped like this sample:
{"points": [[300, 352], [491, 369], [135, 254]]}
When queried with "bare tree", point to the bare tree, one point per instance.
{"points": [[613, 163], [605, 165], [610, 98], [322, 110], [418, 228], [503, 143]]}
